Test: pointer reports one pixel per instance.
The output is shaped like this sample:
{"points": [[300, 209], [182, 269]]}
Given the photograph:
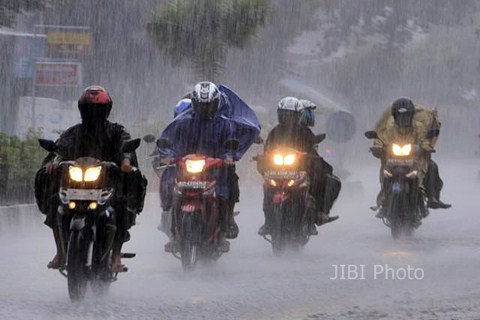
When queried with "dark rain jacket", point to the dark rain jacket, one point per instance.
{"points": [[101, 142]]}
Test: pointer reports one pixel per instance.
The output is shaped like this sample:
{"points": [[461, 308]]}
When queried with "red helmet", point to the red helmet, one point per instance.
{"points": [[95, 104]]}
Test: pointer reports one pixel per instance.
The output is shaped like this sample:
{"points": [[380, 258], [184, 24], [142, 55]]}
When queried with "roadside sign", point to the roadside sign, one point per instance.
{"points": [[58, 74], [28, 48], [52, 115], [67, 41]]}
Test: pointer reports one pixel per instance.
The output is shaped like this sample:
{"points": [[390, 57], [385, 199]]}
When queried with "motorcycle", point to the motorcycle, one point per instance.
{"points": [[196, 214], [402, 211], [286, 186], [86, 220]]}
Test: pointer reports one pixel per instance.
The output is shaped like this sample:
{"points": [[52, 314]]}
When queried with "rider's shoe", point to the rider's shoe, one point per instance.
{"points": [[434, 203], [57, 262], [172, 246], [381, 213], [323, 218], [223, 245], [264, 230], [232, 230], [312, 230]]}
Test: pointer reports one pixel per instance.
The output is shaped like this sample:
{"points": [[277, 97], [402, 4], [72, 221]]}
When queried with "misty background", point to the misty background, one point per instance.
{"points": [[352, 55]]}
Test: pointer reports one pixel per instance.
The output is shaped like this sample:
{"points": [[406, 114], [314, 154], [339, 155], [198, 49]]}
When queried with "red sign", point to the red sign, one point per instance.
{"points": [[58, 74]]}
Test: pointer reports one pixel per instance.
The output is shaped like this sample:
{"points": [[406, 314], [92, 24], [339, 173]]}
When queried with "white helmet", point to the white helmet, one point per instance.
{"points": [[290, 103], [205, 99], [289, 111]]}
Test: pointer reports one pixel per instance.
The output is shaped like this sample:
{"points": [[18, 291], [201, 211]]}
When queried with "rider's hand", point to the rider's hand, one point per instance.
{"points": [[167, 160], [126, 166], [377, 152], [51, 167], [229, 161]]}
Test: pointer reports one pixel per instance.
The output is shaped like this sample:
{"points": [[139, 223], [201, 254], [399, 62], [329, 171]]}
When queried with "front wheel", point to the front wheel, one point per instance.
{"points": [[190, 238], [189, 256], [283, 230], [76, 269]]}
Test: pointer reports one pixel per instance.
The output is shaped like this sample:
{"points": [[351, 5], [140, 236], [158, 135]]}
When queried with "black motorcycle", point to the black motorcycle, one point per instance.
{"points": [[87, 220], [286, 189], [403, 210]]}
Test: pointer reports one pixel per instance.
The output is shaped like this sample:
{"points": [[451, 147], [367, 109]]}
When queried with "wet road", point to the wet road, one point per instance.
{"points": [[249, 283]]}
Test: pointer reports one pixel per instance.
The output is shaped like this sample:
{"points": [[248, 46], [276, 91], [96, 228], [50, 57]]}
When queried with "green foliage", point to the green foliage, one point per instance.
{"points": [[200, 31], [19, 161], [9, 9]]}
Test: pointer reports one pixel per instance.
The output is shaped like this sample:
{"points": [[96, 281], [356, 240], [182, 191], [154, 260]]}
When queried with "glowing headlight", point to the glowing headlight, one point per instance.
{"points": [[289, 159], [278, 159], [92, 174], [75, 173], [401, 150], [195, 166], [281, 160]]}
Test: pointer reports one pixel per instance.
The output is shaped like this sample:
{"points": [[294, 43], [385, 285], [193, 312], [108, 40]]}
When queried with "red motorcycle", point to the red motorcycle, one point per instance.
{"points": [[196, 214]]}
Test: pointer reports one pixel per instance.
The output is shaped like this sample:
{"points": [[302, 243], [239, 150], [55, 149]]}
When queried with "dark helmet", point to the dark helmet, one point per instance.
{"points": [[95, 104], [403, 111], [205, 99], [289, 111]]}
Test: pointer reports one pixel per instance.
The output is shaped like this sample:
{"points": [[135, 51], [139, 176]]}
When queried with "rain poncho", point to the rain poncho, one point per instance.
{"points": [[234, 120], [424, 120], [189, 134]]}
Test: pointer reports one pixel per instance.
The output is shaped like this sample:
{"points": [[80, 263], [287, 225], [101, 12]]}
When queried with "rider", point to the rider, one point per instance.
{"points": [[168, 176], [402, 123], [205, 131], [99, 138], [294, 118]]}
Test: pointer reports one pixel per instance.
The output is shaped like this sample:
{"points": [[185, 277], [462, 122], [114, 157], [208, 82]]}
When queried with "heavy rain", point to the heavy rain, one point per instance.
{"points": [[351, 59]]}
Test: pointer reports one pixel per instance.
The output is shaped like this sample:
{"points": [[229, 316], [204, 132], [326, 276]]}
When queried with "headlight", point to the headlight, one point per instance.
{"points": [[75, 173], [194, 166], [281, 160], [92, 174], [278, 159], [401, 150], [289, 159]]}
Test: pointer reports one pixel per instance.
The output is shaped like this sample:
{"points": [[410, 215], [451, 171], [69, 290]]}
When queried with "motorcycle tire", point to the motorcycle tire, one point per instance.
{"points": [[76, 269]]}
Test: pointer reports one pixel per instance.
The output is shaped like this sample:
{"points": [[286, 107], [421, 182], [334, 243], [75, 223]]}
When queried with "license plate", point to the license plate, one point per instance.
{"points": [[192, 184], [400, 162], [281, 174], [84, 194], [188, 208]]}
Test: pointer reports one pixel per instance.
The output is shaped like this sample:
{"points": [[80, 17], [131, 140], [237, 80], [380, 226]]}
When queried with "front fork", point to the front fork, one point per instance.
{"points": [[66, 223]]}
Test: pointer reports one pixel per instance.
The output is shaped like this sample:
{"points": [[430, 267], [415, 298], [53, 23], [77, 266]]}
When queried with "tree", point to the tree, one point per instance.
{"points": [[10, 8], [201, 31]]}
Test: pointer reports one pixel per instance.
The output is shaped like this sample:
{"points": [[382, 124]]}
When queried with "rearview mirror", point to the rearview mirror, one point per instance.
{"points": [[371, 135], [320, 137], [48, 145], [130, 146], [149, 138]]}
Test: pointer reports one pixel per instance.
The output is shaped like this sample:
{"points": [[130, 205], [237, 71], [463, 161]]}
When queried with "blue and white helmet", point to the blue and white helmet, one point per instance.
{"points": [[205, 99], [289, 111]]}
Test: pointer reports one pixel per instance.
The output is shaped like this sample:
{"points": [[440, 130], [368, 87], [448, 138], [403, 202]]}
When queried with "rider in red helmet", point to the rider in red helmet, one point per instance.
{"points": [[99, 138]]}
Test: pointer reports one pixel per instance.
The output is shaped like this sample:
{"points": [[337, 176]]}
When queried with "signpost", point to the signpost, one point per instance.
{"points": [[52, 73], [67, 41]]}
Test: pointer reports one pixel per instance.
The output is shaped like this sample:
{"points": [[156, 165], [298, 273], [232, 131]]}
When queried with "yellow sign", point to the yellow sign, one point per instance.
{"points": [[69, 37]]}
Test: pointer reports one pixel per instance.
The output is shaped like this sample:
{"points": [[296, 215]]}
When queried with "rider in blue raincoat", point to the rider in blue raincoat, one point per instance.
{"points": [[214, 116]]}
